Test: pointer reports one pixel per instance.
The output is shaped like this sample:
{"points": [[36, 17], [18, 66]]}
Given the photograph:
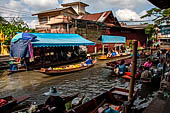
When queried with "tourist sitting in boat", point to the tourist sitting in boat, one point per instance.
{"points": [[114, 53], [109, 54], [122, 68], [54, 103], [148, 63]]}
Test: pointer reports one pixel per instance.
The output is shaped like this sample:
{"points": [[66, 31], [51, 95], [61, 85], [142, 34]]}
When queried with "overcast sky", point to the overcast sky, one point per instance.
{"points": [[122, 9]]}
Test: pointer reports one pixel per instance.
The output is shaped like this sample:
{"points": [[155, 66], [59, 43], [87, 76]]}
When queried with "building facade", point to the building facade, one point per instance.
{"points": [[73, 18]]}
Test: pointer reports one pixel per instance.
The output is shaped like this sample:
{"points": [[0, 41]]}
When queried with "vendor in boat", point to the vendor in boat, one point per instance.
{"points": [[89, 60], [54, 103]]}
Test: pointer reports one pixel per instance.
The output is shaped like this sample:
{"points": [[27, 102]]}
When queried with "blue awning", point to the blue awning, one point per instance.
{"points": [[113, 39], [56, 40]]}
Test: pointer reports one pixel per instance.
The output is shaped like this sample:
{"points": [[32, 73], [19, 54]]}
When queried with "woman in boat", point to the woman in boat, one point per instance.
{"points": [[54, 103], [122, 68]]}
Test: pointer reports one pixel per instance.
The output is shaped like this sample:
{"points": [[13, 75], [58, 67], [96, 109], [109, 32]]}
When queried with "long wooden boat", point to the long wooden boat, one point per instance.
{"points": [[11, 102], [65, 69], [40, 106], [104, 57], [114, 98], [114, 63]]}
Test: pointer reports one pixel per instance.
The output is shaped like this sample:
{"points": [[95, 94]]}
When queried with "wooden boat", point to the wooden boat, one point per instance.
{"points": [[114, 98], [40, 106], [11, 102], [114, 63], [65, 69], [104, 57]]}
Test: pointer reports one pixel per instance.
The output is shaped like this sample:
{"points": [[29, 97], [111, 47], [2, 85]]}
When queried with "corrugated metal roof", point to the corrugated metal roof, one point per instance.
{"points": [[113, 39], [55, 40]]}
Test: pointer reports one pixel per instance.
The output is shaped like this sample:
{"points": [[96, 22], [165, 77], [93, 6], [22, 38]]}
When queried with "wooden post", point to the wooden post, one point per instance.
{"points": [[95, 50], [133, 71], [103, 49]]}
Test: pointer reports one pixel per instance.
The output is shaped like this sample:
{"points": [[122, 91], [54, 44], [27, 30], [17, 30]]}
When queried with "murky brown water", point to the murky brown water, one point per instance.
{"points": [[91, 82]]}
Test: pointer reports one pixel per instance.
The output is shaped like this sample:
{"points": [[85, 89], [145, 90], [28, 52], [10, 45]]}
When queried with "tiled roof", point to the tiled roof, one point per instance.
{"points": [[99, 17]]}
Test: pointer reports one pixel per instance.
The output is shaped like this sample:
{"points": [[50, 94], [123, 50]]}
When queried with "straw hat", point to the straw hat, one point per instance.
{"points": [[88, 55], [52, 92]]}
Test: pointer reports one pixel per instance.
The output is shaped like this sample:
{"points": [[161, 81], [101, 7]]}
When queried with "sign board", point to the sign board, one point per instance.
{"points": [[165, 29]]}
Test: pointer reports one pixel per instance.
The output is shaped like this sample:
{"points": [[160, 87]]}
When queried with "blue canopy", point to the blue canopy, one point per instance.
{"points": [[56, 40], [113, 39], [23, 36]]}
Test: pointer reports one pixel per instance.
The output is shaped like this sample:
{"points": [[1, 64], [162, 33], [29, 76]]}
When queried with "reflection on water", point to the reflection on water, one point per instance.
{"points": [[90, 82]]}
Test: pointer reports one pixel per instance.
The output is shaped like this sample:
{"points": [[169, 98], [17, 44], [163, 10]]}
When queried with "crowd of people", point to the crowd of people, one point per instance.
{"points": [[149, 68]]}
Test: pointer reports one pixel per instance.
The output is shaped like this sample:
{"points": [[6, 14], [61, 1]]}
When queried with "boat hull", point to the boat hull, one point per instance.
{"points": [[115, 96], [11, 103], [111, 58], [46, 71]]}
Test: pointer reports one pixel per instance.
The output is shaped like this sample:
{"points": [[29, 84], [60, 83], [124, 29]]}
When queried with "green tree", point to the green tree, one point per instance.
{"points": [[160, 16], [10, 28], [150, 31]]}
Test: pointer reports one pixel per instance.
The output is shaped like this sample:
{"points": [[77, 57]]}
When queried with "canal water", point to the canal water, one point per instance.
{"points": [[90, 82]]}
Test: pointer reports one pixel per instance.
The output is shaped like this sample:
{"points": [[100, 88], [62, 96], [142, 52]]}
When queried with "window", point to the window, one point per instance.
{"points": [[43, 20]]}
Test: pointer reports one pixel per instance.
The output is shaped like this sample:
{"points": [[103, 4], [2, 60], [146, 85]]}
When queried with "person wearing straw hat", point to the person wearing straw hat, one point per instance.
{"points": [[89, 60], [54, 103]]}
